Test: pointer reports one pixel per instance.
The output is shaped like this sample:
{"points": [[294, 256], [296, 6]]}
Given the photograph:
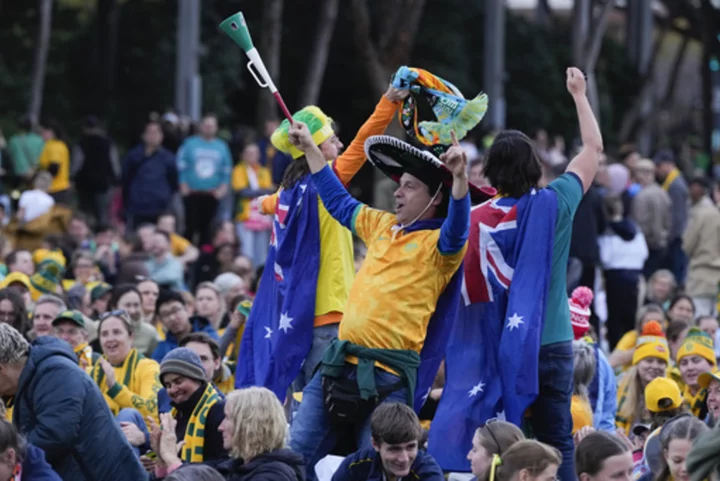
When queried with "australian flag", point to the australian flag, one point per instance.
{"points": [[278, 332], [491, 358]]}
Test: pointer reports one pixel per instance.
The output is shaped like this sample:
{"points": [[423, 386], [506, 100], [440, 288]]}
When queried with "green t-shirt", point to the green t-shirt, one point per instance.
{"points": [[557, 328], [25, 150]]}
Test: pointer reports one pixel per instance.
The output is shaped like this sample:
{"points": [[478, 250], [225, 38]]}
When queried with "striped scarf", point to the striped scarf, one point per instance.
{"points": [[125, 371], [84, 354], [195, 431], [696, 403]]}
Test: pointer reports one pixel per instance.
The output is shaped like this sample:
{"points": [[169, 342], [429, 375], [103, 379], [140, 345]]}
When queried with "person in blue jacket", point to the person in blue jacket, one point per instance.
{"points": [[396, 454], [149, 178], [61, 410], [170, 308], [22, 461]]}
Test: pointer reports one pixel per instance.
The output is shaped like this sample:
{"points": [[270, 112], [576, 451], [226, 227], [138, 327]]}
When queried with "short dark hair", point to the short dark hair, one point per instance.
{"points": [[595, 448], [166, 296], [119, 291], [512, 164], [395, 423], [12, 257], [202, 338]]}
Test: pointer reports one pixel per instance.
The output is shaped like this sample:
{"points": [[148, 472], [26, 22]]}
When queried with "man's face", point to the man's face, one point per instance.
{"points": [[153, 136], [160, 245], [78, 230], [70, 332], [43, 317], [23, 263], [179, 388], [209, 127], [397, 459], [146, 237], [331, 148], [411, 198], [174, 317], [210, 364]]}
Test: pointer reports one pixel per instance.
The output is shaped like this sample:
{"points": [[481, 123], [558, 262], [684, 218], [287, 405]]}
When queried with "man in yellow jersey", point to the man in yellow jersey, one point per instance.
{"points": [[55, 158], [317, 259], [408, 275]]}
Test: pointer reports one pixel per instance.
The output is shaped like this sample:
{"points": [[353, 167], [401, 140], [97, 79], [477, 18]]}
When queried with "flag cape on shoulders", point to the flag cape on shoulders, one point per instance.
{"points": [[439, 327], [492, 356], [278, 332]]}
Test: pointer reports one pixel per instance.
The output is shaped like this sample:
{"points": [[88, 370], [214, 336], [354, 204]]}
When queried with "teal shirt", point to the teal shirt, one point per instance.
{"points": [[25, 150], [204, 165], [557, 328]]}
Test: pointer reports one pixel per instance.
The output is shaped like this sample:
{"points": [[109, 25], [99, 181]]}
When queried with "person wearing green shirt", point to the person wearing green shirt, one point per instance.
{"points": [[24, 148]]}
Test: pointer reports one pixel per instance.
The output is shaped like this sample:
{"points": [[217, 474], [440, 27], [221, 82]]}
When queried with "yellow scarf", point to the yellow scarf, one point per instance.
{"points": [[124, 372], [696, 402], [195, 431], [84, 354], [674, 174]]}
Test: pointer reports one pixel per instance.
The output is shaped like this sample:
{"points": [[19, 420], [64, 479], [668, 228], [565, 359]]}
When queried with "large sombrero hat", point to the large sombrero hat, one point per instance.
{"points": [[393, 157]]}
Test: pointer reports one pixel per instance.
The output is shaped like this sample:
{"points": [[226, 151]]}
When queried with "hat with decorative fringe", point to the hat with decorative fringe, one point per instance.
{"points": [[393, 157], [319, 124]]}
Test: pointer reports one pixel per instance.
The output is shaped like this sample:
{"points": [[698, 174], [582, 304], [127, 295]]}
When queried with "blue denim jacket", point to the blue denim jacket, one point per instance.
{"points": [[606, 405]]}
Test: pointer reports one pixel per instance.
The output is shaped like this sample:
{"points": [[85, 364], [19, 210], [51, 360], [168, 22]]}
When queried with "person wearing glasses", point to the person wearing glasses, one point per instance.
{"points": [[493, 438], [70, 327], [126, 378], [172, 310]]}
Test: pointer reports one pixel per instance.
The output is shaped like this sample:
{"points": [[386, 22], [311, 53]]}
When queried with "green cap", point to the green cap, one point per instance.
{"points": [[75, 317], [100, 290], [235, 27]]}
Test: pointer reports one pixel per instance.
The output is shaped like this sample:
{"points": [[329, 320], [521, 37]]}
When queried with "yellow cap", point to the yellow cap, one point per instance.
{"points": [[697, 343], [706, 378], [319, 124], [651, 343], [15, 277], [662, 394]]}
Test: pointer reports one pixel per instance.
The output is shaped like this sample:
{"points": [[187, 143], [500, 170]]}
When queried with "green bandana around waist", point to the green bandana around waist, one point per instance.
{"points": [[404, 362]]}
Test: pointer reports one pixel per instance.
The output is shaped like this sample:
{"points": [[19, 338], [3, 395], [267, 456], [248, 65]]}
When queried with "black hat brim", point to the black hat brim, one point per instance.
{"points": [[393, 157]]}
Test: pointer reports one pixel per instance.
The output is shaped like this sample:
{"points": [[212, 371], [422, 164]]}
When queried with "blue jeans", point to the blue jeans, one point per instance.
{"points": [[322, 336], [551, 420], [130, 415], [254, 244], [310, 433]]}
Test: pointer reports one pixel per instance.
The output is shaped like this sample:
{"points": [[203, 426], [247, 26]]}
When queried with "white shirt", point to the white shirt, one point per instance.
{"points": [[35, 203]]}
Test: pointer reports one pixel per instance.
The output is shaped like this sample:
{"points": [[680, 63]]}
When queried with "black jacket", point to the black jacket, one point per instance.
{"points": [[60, 410], [213, 446], [588, 224], [280, 465]]}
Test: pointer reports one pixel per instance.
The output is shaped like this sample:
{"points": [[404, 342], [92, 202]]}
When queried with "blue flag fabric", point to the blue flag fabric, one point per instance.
{"points": [[439, 327], [278, 332], [492, 356]]}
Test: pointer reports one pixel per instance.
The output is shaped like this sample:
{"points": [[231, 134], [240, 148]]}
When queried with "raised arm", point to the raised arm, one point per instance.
{"points": [[334, 196], [350, 162], [456, 227], [585, 164]]}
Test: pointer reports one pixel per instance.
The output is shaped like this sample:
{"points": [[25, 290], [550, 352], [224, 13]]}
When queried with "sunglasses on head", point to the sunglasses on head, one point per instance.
{"points": [[122, 313]]}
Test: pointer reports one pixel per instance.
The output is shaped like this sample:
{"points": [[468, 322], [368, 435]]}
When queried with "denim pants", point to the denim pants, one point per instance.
{"points": [[551, 420], [310, 433], [130, 415], [254, 244], [322, 336]]}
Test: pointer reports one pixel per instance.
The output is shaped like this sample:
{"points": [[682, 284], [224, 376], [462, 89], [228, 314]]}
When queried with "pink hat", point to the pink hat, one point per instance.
{"points": [[579, 303]]}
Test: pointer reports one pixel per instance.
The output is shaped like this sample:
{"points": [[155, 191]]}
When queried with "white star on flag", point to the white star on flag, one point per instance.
{"points": [[500, 416], [515, 321], [268, 332], [303, 187], [427, 394], [285, 322], [478, 388]]}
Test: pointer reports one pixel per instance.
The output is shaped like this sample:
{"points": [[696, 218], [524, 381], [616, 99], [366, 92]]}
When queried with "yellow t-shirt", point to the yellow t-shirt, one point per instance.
{"points": [[178, 244], [56, 152], [396, 292], [241, 181], [582, 414]]}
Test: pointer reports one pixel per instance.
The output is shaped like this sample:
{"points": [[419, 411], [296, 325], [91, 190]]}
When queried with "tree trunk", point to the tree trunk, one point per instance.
{"points": [[40, 61], [366, 49], [269, 47], [319, 54], [543, 13]]}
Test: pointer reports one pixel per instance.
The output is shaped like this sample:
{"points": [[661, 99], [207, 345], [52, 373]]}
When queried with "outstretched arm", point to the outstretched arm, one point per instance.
{"points": [[456, 227], [350, 162], [585, 164]]}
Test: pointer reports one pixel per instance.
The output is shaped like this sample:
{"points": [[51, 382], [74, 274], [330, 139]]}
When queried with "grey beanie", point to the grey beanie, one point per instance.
{"points": [[184, 362]]}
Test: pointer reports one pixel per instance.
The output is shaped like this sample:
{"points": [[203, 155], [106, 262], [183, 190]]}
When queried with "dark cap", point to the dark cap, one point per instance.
{"points": [[663, 156], [100, 290], [701, 181], [73, 316]]}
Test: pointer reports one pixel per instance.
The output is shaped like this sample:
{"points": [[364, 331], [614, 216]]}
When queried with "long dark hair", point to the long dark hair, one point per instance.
{"points": [[9, 438], [512, 165], [20, 320], [297, 169], [592, 452]]}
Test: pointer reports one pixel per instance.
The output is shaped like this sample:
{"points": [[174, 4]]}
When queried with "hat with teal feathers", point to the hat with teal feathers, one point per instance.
{"points": [[435, 108], [319, 125]]}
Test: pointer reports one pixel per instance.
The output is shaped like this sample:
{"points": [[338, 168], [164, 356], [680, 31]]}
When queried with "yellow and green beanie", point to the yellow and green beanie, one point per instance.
{"points": [[319, 124], [697, 343], [651, 343], [46, 279]]}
